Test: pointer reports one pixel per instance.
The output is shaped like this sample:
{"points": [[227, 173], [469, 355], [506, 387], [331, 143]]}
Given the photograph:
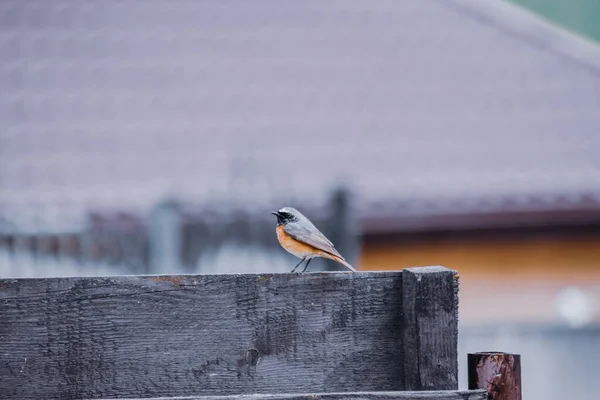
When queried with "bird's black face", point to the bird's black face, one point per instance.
{"points": [[283, 217]]}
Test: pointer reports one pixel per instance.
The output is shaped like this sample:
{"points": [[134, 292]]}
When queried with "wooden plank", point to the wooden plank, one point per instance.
{"points": [[152, 336], [423, 395], [430, 308]]}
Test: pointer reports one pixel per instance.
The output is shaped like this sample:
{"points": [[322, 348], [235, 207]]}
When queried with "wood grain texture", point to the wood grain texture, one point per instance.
{"points": [[424, 395], [430, 305], [152, 336]]}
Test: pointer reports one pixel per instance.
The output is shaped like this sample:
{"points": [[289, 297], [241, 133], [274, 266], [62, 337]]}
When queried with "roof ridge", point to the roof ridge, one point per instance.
{"points": [[533, 29]]}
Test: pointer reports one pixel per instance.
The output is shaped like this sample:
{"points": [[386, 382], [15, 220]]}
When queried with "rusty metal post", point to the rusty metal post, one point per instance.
{"points": [[498, 373]]}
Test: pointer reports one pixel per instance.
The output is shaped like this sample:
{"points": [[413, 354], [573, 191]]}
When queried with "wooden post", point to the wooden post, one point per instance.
{"points": [[498, 373], [430, 321]]}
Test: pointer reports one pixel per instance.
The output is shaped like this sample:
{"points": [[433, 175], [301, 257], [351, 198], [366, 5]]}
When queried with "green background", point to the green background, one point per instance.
{"points": [[579, 16]]}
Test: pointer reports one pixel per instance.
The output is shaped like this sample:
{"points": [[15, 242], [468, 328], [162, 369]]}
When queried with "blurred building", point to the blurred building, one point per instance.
{"points": [[467, 133]]}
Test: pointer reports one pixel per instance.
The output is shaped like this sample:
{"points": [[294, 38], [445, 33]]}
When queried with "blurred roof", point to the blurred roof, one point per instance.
{"points": [[428, 107]]}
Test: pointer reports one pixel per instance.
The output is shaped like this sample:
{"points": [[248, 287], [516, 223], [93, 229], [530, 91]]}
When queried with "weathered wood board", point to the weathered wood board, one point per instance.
{"points": [[430, 305], [421, 395], [166, 336]]}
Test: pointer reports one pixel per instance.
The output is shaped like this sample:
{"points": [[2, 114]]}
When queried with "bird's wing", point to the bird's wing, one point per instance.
{"points": [[307, 233]]}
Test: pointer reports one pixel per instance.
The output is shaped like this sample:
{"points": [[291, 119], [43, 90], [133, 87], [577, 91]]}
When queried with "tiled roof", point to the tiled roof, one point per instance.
{"points": [[438, 105]]}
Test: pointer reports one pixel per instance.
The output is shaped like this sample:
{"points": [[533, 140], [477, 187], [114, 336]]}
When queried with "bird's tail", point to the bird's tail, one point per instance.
{"points": [[344, 263]]}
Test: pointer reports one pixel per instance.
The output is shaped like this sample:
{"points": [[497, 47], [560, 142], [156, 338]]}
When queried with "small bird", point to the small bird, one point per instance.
{"points": [[298, 236]]}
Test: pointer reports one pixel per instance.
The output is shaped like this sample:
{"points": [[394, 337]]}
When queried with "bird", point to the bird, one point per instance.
{"points": [[298, 236]]}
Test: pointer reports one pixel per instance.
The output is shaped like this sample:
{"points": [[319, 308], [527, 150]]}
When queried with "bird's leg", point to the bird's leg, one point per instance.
{"points": [[297, 265], [306, 266]]}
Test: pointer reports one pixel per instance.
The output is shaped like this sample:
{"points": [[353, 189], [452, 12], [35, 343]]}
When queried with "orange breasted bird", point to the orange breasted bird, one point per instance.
{"points": [[298, 236]]}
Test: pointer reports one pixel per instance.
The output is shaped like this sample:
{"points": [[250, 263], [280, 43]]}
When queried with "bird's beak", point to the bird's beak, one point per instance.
{"points": [[276, 213]]}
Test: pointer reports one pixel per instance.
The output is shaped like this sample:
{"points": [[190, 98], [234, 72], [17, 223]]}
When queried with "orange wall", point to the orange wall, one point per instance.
{"points": [[509, 278]]}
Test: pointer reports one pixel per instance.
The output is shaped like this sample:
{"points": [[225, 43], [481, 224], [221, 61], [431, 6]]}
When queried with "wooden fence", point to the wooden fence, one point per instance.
{"points": [[375, 335]]}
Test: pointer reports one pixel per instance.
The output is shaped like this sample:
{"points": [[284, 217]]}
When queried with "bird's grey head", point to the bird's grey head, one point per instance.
{"points": [[286, 215]]}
